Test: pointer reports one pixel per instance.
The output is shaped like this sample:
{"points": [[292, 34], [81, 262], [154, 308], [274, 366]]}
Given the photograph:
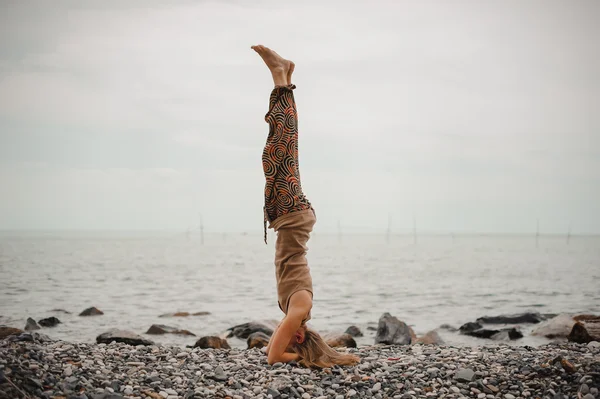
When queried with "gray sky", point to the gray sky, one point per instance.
{"points": [[476, 116]]}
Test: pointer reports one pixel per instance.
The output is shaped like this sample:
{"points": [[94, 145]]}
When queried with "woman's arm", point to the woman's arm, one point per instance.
{"points": [[300, 304], [268, 348]]}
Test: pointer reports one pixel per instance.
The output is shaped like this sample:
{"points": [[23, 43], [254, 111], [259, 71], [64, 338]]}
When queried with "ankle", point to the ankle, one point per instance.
{"points": [[280, 79]]}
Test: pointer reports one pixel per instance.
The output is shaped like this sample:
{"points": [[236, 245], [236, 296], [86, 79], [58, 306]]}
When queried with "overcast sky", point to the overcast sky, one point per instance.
{"points": [[475, 116]]}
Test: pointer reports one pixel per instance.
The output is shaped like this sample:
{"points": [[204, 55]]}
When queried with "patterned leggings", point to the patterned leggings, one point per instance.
{"points": [[283, 190]]}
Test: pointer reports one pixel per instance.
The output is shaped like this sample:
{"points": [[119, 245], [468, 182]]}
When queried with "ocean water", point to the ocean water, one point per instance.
{"points": [[135, 277]]}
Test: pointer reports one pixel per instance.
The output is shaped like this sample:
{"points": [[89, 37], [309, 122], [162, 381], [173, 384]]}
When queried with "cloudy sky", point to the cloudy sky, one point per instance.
{"points": [[473, 116]]}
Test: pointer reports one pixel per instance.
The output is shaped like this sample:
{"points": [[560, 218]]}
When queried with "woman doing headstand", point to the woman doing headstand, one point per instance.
{"points": [[291, 215]]}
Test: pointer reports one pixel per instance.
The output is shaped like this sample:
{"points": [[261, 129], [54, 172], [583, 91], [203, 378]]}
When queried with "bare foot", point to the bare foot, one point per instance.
{"points": [[280, 68]]}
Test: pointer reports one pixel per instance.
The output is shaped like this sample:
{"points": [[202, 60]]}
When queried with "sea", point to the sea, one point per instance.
{"points": [[426, 281]]}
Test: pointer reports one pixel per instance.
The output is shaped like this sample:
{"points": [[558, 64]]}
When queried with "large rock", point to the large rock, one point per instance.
{"points": [[354, 331], [212, 342], [184, 314], [477, 330], [522, 318], [124, 336], [507, 334], [258, 340], [585, 330], [336, 340], [557, 327], [6, 331], [391, 331], [431, 338], [243, 331], [158, 329], [31, 325], [91, 312], [49, 322], [469, 327]]}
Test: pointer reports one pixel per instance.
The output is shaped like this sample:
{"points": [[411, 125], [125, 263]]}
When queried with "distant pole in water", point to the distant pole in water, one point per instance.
{"points": [[389, 229], [569, 234], [201, 230], [537, 234], [414, 229]]}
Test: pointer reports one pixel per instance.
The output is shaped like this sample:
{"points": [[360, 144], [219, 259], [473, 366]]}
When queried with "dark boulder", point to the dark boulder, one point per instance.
{"points": [[258, 340], [126, 337], [476, 330], [469, 327], [31, 325], [585, 330], [158, 329], [340, 340], [91, 312], [49, 322], [507, 334], [212, 342], [391, 331], [522, 318], [354, 331], [8, 331], [243, 331]]}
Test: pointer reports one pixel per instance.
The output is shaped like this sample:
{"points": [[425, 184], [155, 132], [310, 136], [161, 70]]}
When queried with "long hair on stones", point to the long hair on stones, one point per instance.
{"points": [[314, 352]]}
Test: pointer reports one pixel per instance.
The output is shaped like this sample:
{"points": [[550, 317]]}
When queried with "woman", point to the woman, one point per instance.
{"points": [[291, 215]]}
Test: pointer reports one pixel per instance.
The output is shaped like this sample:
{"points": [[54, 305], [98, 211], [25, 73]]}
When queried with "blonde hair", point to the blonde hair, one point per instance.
{"points": [[314, 352]]}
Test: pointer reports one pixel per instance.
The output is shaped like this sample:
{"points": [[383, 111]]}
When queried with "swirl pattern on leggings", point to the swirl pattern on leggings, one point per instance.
{"points": [[283, 190]]}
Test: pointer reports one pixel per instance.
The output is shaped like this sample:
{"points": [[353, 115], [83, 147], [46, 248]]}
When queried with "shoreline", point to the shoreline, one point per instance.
{"points": [[59, 369]]}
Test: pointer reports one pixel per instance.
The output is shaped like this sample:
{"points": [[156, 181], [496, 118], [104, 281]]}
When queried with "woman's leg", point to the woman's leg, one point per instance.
{"points": [[281, 69]]}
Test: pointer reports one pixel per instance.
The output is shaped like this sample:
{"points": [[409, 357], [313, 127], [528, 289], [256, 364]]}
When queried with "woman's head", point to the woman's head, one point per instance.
{"points": [[314, 351]]}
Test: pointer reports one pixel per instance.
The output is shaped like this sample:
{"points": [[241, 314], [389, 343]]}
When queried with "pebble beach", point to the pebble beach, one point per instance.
{"points": [[34, 366]]}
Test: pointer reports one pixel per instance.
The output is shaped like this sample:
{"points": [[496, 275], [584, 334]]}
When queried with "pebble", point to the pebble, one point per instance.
{"points": [[584, 389], [411, 372], [464, 375], [135, 363]]}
